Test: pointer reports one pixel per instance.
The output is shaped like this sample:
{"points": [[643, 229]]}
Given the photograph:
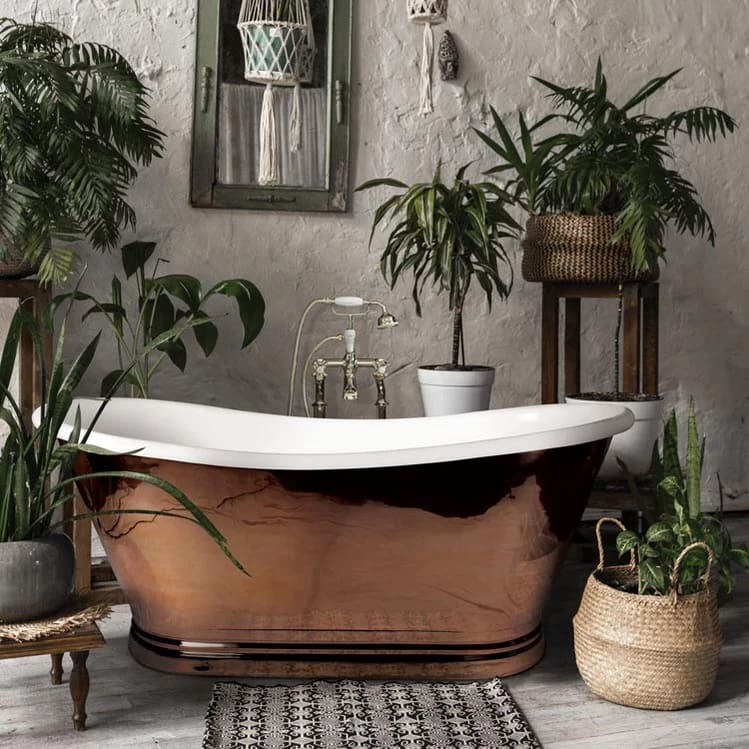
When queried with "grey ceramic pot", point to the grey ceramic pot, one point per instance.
{"points": [[36, 577]]}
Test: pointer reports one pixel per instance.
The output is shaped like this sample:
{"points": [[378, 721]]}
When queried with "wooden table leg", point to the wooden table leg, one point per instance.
{"points": [[550, 346], [79, 684], [572, 307], [81, 536], [631, 342], [650, 342], [56, 672], [27, 397]]}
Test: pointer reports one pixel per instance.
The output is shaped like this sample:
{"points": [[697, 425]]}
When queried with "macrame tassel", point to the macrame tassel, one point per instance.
{"points": [[427, 58], [268, 140], [295, 126]]}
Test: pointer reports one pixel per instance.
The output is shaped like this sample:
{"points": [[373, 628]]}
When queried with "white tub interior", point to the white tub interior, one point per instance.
{"points": [[201, 434]]}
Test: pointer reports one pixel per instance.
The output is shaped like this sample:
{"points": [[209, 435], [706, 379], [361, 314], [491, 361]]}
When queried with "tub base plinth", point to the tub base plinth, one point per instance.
{"points": [[343, 661]]}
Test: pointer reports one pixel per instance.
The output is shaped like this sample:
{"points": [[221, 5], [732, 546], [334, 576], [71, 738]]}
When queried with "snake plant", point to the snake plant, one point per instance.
{"points": [[448, 235], [682, 522], [74, 128], [610, 158], [37, 477]]}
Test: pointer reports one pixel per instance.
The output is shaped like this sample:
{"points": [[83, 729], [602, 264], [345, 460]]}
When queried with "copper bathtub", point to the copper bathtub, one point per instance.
{"points": [[414, 548]]}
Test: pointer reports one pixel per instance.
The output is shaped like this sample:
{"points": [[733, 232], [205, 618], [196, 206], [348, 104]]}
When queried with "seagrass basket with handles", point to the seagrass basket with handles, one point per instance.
{"points": [[651, 652], [568, 247]]}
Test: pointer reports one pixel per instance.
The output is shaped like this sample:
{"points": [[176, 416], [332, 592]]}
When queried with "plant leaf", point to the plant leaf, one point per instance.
{"points": [[250, 304], [135, 255], [176, 352], [185, 288], [110, 382], [660, 533], [652, 575], [694, 464], [206, 335], [626, 541]]}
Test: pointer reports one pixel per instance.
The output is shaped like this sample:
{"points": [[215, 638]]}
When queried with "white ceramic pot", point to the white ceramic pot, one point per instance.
{"points": [[445, 392], [635, 446]]}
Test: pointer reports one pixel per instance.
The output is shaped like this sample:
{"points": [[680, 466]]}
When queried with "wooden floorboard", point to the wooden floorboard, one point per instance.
{"points": [[130, 706]]}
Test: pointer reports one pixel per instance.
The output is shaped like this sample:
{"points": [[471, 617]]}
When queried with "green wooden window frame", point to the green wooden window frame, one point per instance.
{"points": [[205, 190]]}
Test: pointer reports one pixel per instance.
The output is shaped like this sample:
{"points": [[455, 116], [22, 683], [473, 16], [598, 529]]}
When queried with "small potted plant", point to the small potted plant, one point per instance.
{"points": [[647, 634], [74, 127], [37, 563], [449, 235]]}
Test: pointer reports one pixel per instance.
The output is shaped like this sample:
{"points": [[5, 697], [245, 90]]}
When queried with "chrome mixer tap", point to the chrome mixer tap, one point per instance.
{"points": [[349, 364]]}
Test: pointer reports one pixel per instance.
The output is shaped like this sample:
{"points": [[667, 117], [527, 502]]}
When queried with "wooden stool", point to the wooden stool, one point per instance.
{"points": [[78, 643]]}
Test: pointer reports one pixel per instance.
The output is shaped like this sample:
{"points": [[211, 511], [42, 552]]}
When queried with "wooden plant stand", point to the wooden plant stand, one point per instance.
{"points": [[640, 344], [78, 643], [639, 340]]}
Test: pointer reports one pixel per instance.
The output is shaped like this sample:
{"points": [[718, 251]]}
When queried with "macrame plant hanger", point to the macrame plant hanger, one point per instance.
{"points": [[430, 13], [275, 35]]}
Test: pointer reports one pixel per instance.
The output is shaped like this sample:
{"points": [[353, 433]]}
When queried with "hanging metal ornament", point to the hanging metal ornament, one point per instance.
{"points": [[430, 13], [448, 58], [274, 35]]}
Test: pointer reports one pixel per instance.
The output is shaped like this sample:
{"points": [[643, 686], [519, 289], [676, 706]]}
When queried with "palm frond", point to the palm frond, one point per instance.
{"points": [[74, 128]]}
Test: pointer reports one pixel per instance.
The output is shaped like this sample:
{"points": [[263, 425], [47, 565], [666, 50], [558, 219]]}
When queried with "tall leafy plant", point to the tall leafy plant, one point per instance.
{"points": [[682, 522], [448, 235], [148, 315], [74, 128], [37, 476], [529, 164], [612, 159]]}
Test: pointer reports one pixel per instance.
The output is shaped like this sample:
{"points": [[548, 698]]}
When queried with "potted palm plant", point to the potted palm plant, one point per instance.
{"points": [[36, 481], [600, 195], [647, 634], [74, 127], [449, 235]]}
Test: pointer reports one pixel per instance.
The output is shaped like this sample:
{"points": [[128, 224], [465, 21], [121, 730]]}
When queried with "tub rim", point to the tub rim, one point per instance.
{"points": [[586, 424]]}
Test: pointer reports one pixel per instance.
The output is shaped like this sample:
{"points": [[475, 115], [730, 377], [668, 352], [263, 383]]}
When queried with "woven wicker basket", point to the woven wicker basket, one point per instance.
{"points": [[652, 652], [13, 263], [569, 247]]}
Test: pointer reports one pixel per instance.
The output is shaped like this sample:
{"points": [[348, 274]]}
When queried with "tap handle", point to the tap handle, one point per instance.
{"points": [[349, 338], [348, 301]]}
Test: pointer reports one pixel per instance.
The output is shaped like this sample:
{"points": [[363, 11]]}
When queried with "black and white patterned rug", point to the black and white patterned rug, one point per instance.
{"points": [[366, 715]]}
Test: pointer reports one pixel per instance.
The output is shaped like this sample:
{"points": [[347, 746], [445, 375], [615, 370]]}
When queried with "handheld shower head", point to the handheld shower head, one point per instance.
{"points": [[386, 321]]}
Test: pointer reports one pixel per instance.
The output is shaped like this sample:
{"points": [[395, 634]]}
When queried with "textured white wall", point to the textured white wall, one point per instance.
{"points": [[294, 258]]}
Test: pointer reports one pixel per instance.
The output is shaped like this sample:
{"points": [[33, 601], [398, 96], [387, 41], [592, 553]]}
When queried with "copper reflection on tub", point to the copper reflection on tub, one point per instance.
{"points": [[432, 571]]}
